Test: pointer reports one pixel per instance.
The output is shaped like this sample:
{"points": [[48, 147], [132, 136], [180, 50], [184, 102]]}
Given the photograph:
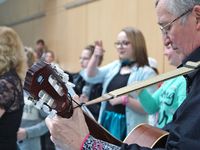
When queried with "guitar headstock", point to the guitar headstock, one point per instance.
{"points": [[49, 88]]}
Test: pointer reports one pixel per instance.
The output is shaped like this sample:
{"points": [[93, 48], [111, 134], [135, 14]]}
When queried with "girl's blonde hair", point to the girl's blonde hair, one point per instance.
{"points": [[12, 54]]}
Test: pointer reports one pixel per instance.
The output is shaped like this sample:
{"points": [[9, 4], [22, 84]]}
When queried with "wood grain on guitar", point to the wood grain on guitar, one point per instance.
{"points": [[48, 89], [147, 136]]}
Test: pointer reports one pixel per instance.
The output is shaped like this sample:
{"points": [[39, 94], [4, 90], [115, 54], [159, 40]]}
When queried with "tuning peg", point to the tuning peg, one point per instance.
{"points": [[70, 90], [46, 108], [39, 104], [52, 113], [70, 84], [65, 77]]}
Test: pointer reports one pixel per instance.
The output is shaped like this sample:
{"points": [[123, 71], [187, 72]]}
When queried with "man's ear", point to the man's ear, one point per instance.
{"points": [[196, 10]]}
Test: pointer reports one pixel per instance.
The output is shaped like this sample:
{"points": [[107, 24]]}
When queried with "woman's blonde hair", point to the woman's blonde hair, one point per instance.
{"points": [[12, 54]]}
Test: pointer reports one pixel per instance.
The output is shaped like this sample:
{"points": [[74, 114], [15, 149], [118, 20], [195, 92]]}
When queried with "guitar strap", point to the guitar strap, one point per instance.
{"points": [[188, 68]]}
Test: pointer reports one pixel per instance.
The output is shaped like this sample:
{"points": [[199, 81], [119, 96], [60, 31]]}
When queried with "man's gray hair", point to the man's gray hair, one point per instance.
{"points": [[178, 7]]}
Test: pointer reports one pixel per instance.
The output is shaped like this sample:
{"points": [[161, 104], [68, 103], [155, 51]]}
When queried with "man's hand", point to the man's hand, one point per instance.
{"points": [[68, 133]]}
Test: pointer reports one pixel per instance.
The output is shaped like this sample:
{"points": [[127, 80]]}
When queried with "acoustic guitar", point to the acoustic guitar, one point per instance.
{"points": [[51, 91]]}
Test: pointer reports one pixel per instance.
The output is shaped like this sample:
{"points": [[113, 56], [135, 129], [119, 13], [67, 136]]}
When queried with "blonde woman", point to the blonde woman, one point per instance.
{"points": [[12, 71]]}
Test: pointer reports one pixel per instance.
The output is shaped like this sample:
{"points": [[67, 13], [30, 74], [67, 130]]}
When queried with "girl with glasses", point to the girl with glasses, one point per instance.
{"points": [[121, 114]]}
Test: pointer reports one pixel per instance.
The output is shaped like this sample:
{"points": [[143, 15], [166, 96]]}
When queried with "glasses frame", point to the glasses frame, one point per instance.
{"points": [[165, 29], [122, 44]]}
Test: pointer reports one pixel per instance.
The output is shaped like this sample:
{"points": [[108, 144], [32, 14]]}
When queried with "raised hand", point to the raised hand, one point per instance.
{"points": [[99, 51]]}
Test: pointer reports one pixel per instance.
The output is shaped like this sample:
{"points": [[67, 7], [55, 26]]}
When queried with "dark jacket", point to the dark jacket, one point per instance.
{"points": [[184, 129], [94, 91]]}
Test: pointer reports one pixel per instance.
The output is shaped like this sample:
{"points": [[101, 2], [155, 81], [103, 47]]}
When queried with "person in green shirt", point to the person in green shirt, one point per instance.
{"points": [[168, 97]]}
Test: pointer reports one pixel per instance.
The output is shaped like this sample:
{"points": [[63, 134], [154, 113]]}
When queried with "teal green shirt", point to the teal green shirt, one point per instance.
{"points": [[165, 100]]}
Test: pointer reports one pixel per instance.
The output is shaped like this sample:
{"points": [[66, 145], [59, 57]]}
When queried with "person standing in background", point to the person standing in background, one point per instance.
{"points": [[12, 72], [120, 115], [85, 90], [49, 57], [169, 96], [32, 125], [40, 49]]}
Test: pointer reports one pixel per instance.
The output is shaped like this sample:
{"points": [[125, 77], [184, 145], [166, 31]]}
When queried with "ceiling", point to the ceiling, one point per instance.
{"points": [[2, 1]]}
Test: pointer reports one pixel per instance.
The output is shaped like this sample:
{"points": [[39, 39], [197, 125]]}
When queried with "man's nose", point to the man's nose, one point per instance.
{"points": [[166, 40], [81, 61]]}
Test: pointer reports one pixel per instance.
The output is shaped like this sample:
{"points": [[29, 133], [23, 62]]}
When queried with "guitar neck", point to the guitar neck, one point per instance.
{"points": [[188, 68]]}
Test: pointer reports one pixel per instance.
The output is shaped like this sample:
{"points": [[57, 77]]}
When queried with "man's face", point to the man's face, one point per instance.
{"points": [[39, 46], [179, 35], [173, 57]]}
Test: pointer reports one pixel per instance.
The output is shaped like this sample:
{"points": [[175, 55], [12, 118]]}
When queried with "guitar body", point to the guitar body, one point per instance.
{"points": [[147, 136], [144, 135], [49, 89]]}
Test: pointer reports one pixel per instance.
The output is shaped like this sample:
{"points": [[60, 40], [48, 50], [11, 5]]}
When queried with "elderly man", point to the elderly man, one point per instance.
{"points": [[179, 22]]}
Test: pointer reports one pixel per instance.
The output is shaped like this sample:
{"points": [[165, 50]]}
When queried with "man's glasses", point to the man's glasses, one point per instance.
{"points": [[122, 44], [84, 58], [166, 28]]}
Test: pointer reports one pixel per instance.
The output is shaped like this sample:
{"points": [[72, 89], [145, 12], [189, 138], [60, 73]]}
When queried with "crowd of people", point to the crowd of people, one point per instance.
{"points": [[180, 26], [172, 106], [120, 115]]}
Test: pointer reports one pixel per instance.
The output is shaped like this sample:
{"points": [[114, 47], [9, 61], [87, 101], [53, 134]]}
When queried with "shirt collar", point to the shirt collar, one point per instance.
{"points": [[194, 57]]}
